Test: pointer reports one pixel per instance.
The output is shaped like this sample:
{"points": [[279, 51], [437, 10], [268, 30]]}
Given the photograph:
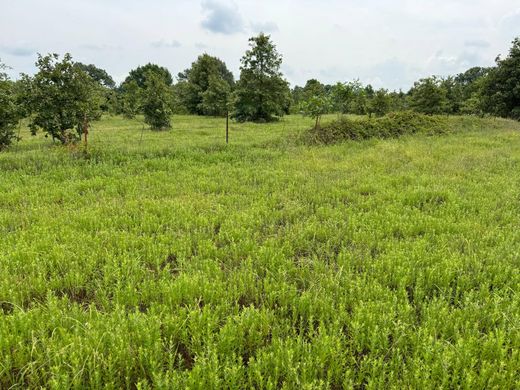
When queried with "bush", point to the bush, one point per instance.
{"points": [[391, 125]]}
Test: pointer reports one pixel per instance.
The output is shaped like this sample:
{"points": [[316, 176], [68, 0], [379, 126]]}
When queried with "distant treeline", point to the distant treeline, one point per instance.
{"points": [[64, 96]]}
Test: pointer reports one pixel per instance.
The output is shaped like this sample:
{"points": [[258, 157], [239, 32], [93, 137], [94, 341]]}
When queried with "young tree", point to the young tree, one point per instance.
{"points": [[9, 113], [156, 102], [205, 73], [315, 107], [262, 94], [63, 99]]}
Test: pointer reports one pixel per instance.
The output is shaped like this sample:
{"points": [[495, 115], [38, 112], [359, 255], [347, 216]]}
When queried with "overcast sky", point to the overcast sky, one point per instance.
{"points": [[387, 43]]}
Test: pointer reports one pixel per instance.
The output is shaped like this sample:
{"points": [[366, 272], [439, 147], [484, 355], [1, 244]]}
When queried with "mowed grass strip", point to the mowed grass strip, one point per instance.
{"points": [[170, 260]]}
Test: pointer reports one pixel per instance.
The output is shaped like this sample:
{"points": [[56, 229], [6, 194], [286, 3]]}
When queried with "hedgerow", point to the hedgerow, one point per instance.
{"points": [[392, 125]]}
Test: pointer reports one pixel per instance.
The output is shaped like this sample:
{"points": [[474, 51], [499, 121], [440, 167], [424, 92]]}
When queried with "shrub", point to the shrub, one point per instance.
{"points": [[391, 125]]}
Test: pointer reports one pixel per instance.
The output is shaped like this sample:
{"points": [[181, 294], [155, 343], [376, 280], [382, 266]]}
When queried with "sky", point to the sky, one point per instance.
{"points": [[389, 44]]}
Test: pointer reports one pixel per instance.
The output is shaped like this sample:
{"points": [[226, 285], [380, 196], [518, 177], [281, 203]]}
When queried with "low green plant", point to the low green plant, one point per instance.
{"points": [[391, 125], [169, 260]]}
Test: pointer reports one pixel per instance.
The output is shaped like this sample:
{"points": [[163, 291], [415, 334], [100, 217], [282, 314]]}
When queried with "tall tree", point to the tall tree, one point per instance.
{"points": [[98, 74], [140, 74], [262, 94], [501, 88], [207, 72], [63, 99]]}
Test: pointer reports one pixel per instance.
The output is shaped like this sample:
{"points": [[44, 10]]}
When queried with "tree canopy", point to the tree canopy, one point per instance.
{"points": [[9, 113], [501, 87], [62, 97], [206, 86], [140, 74], [98, 74], [262, 94], [156, 102]]}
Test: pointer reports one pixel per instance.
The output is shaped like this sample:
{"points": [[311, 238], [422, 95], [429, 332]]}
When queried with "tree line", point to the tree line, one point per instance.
{"points": [[63, 97]]}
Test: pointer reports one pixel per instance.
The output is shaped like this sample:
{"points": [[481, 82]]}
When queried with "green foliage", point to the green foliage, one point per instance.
{"points": [[156, 100], [179, 262], [216, 98], [359, 104], [9, 112], [392, 125], [501, 87], [61, 98], [129, 99], [98, 74], [109, 95], [315, 107], [141, 73], [428, 96], [380, 103], [206, 86], [313, 88], [341, 95], [262, 94]]}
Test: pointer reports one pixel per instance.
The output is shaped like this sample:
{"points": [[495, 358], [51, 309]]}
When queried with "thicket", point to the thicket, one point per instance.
{"points": [[392, 125]]}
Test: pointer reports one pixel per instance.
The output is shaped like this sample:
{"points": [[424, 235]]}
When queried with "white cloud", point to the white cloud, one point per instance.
{"points": [[388, 43], [166, 44], [222, 17], [21, 49], [266, 27]]}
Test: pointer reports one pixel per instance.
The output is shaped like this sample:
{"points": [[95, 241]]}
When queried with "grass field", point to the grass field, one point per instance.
{"points": [[170, 260]]}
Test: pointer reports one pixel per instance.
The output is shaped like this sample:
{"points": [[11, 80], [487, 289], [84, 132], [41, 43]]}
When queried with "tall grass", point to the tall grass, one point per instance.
{"points": [[169, 260]]}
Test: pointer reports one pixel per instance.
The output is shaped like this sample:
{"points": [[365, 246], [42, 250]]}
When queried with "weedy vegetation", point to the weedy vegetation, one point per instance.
{"points": [[170, 260]]}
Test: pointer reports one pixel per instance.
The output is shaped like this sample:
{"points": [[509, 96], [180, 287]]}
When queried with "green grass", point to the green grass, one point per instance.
{"points": [[170, 260]]}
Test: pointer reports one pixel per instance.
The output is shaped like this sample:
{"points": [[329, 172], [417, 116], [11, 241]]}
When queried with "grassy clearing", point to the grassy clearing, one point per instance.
{"points": [[173, 260]]}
